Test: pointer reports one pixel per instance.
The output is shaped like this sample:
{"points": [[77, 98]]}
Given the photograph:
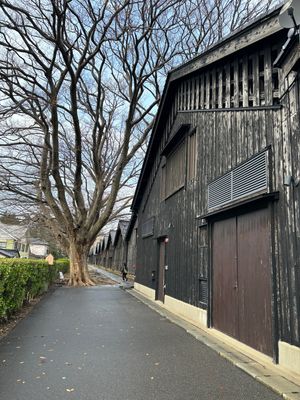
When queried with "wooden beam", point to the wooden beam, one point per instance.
{"points": [[240, 40]]}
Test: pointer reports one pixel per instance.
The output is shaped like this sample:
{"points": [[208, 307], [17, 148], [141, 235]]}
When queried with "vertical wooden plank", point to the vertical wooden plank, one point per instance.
{"points": [[236, 83], [213, 99], [201, 88], [245, 82], [268, 77], [225, 300], [219, 77], [256, 93], [227, 99], [175, 103], [188, 88], [193, 88], [185, 97], [191, 94], [197, 101], [180, 96], [255, 321], [207, 90]]}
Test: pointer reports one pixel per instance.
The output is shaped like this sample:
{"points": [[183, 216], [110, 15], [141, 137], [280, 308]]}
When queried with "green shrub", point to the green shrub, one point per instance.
{"points": [[62, 264], [21, 280]]}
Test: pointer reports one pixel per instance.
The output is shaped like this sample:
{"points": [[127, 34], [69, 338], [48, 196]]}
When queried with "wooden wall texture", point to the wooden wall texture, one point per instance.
{"points": [[238, 106]]}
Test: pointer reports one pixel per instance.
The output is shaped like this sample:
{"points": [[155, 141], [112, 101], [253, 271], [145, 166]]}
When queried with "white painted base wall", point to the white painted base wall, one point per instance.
{"points": [[289, 357], [191, 313], [194, 314], [147, 292]]}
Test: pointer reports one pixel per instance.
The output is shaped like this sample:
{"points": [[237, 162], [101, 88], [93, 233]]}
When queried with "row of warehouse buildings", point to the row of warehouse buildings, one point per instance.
{"points": [[116, 248], [216, 216]]}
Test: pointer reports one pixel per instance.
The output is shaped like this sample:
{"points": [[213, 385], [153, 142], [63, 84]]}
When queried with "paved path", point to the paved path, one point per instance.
{"points": [[113, 276], [104, 344]]}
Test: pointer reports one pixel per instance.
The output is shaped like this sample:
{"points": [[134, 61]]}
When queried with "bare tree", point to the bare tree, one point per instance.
{"points": [[79, 85], [205, 22]]}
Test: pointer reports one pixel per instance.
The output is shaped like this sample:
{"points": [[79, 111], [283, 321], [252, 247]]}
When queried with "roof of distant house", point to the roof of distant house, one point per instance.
{"points": [[37, 242], [10, 253], [15, 232]]}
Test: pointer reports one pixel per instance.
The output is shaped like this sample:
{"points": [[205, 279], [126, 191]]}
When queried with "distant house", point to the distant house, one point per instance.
{"points": [[14, 242], [37, 248], [10, 240]]}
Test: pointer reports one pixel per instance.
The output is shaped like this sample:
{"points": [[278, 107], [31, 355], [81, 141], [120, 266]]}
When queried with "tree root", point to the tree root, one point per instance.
{"points": [[76, 282]]}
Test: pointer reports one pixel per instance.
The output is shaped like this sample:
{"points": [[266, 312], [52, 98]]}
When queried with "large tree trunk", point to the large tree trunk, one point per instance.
{"points": [[79, 274]]}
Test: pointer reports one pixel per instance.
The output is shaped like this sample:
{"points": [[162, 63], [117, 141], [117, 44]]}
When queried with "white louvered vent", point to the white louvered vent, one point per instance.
{"points": [[219, 191], [249, 178]]}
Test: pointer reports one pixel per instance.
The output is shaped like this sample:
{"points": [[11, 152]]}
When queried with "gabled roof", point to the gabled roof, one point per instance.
{"points": [[131, 226], [15, 232], [110, 239], [123, 224], [121, 230], [265, 25], [104, 243], [112, 235], [36, 241]]}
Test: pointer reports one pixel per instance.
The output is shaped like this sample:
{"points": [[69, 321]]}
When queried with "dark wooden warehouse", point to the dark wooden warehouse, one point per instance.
{"points": [[218, 235], [119, 245]]}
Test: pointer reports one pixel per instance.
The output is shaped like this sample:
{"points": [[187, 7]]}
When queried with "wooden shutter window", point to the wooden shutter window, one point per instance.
{"points": [[175, 170]]}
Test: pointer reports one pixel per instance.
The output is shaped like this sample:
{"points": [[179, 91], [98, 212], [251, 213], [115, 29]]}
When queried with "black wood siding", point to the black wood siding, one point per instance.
{"points": [[225, 138]]}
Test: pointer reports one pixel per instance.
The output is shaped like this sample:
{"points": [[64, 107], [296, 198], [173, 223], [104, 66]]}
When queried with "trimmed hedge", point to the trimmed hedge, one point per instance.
{"points": [[62, 264], [24, 279]]}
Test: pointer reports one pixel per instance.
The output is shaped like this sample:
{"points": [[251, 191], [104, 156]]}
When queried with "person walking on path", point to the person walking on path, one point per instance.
{"points": [[124, 271]]}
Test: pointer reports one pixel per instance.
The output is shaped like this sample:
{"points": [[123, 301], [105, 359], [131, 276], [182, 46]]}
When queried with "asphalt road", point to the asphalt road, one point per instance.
{"points": [[103, 344]]}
